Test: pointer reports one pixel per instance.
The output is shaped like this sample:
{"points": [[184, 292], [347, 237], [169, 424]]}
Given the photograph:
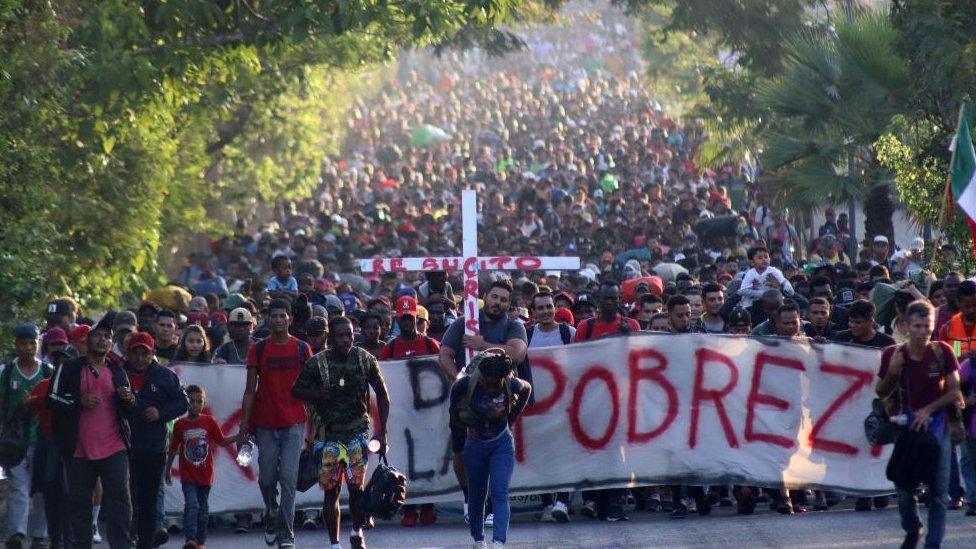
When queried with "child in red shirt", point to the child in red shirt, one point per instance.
{"points": [[194, 436]]}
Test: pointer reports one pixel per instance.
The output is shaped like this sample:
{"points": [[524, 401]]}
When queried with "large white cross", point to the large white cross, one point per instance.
{"points": [[469, 263]]}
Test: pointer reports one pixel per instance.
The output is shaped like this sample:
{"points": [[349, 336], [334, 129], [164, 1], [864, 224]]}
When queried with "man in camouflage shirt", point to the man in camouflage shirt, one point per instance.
{"points": [[336, 382]]}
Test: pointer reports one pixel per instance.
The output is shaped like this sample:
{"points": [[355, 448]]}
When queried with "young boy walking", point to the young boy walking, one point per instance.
{"points": [[193, 438]]}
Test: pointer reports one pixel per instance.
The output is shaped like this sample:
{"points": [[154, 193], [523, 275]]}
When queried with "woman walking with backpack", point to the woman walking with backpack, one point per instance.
{"points": [[487, 402]]}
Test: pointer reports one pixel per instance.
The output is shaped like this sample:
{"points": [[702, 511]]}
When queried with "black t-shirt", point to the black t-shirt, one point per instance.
{"points": [[879, 341], [168, 353]]}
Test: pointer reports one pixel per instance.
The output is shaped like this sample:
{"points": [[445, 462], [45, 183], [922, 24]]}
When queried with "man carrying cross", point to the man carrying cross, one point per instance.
{"points": [[496, 330]]}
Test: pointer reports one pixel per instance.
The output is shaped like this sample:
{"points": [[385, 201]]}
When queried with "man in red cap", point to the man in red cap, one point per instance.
{"points": [[159, 398], [409, 344]]}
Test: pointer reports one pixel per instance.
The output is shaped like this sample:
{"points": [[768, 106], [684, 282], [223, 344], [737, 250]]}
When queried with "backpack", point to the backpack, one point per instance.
{"points": [[465, 414], [564, 333], [624, 327], [385, 493], [262, 343]]}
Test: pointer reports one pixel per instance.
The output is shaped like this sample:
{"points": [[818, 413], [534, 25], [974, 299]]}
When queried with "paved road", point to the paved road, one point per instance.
{"points": [[837, 528]]}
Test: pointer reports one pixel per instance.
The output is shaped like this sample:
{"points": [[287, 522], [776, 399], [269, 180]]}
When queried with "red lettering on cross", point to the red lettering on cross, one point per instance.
{"points": [[396, 264], [655, 375], [756, 398], [861, 380], [470, 264], [700, 393], [592, 374], [542, 405], [378, 265]]}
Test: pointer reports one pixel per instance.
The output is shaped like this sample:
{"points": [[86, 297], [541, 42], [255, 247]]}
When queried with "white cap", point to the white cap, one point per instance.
{"points": [[918, 243], [881, 238], [538, 144]]}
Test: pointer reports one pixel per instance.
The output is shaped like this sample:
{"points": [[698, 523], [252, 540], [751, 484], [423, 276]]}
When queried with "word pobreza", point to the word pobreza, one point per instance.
{"points": [[629, 411], [469, 263]]}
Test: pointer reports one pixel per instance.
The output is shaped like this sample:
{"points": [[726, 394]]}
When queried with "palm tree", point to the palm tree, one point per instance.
{"points": [[837, 94]]}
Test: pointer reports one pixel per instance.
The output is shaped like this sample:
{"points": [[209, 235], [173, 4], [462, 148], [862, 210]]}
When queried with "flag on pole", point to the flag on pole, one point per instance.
{"points": [[961, 187]]}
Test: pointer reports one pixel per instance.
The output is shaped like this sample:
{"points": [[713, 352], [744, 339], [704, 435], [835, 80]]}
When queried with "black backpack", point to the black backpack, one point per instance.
{"points": [[385, 493], [564, 333]]}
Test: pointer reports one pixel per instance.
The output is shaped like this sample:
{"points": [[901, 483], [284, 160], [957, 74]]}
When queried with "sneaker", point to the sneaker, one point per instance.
{"points": [[243, 524], [428, 515], [490, 520], [308, 523], [654, 504], [956, 503], [270, 532], [589, 509], [763, 497], [96, 535], [880, 502], [547, 514], [175, 528], [616, 516], [160, 538], [16, 541], [409, 517], [560, 512], [497, 544], [862, 504], [479, 545], [357, 542], [680, 511], [691, 505], [287, 545], [786, 507]]}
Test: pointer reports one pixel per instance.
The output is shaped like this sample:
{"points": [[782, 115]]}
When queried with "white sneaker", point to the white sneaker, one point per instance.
{"points": [[479, 545], [466, 521], [490, 520], [497, 544], [560, 513], [547, 514], [96, 535]]}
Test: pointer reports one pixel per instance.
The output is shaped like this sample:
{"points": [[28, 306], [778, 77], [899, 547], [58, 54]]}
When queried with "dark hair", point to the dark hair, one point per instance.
{"points": [[278, 260], [195, 390], [503, 284], [878, 270], [903, 299], [862, 266], [862, 309], [967, 288], [363, 319], [820, 301], [205, 353], [609, 282], [659, 316], [819, 281], [710, 288], [919, 308], [788, 306], [496, 365], [166, 313], [754, 250], [336, 320], [693, 291], [677, 300], [649, 298], [149, 306], [529, 288], [539, 295], [935, 287], [279, 303]]}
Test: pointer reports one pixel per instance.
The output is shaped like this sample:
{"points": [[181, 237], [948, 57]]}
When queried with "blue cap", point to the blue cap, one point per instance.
{"points": [[26, 331], [407, 291]]}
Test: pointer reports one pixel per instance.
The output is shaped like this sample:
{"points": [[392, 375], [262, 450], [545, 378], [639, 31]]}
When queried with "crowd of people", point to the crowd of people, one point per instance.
{"points": [[570, 155]]}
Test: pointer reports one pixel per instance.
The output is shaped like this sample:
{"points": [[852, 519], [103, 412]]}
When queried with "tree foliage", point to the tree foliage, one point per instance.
{"points": [[124, 124]]}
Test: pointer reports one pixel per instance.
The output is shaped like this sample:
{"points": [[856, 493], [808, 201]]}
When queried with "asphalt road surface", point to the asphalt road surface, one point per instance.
{"points": [[840, 527]]}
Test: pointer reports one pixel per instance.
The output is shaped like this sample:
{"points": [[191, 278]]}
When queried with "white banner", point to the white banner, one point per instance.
{"points": [[625, 411]]}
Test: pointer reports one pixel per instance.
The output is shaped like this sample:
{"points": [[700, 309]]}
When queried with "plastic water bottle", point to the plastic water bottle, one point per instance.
{"points": [[245, 454], [900, 419]]}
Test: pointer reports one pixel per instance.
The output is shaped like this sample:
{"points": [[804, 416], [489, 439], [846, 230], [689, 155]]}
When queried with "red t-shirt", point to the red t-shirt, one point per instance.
{"points": [[39, 406], [136, 380], [196, 440], [274, 407], [924, 380], [400, 348], [602, 329]]}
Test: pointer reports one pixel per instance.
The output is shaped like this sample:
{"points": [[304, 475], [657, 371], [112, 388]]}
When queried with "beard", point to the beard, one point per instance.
{"points": [[489, 312]]}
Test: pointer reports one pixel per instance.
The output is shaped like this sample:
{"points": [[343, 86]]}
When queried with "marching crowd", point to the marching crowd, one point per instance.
{"points": [[570, 156]]}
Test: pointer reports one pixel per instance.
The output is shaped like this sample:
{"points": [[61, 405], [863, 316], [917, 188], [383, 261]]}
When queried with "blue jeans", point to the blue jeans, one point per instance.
{"points": [[968, 471], [278, 453], [489, 462], [196, 511], [939, 493]]}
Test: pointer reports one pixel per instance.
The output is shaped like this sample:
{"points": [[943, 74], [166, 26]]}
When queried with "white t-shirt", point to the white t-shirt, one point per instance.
{"points": [[548, 339]]}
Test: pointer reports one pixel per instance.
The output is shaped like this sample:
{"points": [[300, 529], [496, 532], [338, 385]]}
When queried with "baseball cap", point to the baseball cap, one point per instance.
{"points": [[58, 307], [845, 296], [80, 332], [142, 339], [198, 303], [422, 313], [240, 315], [55, 335], [125, 320], [881, 238], [565, 315], [740, 317], [406, 306], [216, 319], [26, 331], [918, 243], [198, 317], [316, 325], [233, 301], [333, 301]]}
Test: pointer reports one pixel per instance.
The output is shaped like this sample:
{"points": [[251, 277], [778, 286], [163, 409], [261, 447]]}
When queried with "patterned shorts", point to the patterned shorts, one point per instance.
{"points": [[344, 460]]}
